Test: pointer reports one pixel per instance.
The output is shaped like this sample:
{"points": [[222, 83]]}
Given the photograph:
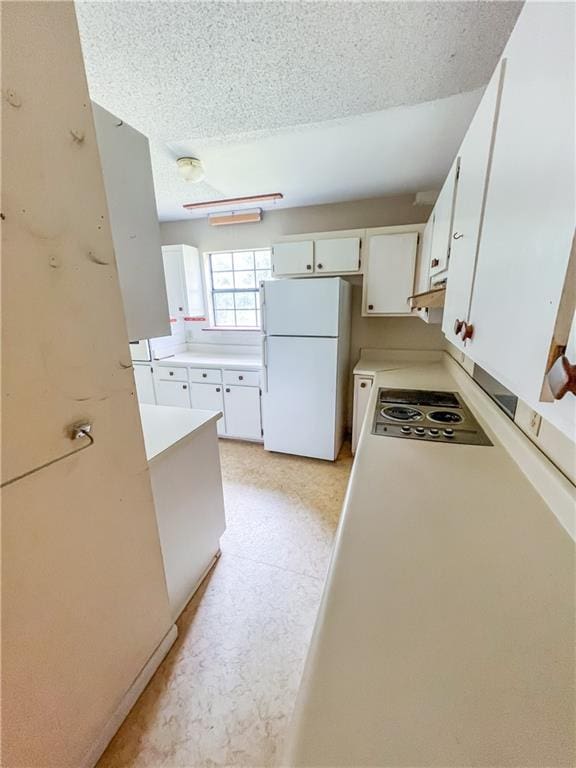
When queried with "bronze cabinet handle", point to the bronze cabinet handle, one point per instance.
{"points": [[434, 262], [467, 331], [561, 377], [458, 325]]}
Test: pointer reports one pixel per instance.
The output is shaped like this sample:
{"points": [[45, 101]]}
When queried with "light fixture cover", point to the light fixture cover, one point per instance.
{"points": [[190, 168]]}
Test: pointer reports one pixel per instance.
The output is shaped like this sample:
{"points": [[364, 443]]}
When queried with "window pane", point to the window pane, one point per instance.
{"points": [[223, 300], [246, 317], [263, 274], [262, 259], [243, 260], [224, 317], [245, 300], [223, 279], [244, 280], [221, 261]]}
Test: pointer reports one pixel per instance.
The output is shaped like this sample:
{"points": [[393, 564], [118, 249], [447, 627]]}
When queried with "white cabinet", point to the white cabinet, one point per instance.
{"points": [[293, 258], [362, 389], [529, 214], [474, 156], [337, 255], [443, 214], [183, 274], [434, 314], [209, 397], [389, 268], [172, 393], [242, 407], [144, 379], [127, 172]]}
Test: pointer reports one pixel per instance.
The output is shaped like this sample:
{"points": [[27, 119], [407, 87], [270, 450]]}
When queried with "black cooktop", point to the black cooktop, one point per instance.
{"points": [[419, 397]]}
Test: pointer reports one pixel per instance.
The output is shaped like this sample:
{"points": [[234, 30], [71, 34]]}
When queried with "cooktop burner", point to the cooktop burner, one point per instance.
{"points": [[417, 414]]}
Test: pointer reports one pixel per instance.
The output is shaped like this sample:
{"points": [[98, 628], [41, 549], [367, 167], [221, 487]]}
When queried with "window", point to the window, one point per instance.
{"points": [[234, 279]]}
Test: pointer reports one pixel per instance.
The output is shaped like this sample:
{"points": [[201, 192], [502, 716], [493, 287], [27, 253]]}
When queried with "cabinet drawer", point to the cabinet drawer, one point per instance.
{"points": [[206, 375], [166, 373], [247, 378]]}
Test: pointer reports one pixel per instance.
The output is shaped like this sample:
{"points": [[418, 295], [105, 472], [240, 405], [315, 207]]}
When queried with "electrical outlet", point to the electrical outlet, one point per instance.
{"points": [[534, 424]]}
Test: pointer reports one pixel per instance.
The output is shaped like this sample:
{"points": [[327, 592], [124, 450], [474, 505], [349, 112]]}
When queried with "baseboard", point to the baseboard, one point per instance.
{"points": [[129, 699]]}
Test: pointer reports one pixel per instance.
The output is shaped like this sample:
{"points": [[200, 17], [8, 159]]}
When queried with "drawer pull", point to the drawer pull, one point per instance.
{"points": [[170, 373], [240, 378], [227, 389], [217, 389], [184, 386], [204, 375], [467, 331]]}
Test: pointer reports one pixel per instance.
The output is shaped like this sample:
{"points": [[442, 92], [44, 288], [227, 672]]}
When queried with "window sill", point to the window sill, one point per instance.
{"points": [[232, 329]]}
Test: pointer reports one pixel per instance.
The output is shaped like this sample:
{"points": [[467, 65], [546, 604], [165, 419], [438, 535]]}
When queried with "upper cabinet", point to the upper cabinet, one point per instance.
{"points": [[334, 253], [474, 156], [389, 269], [127, 172], [183, 275], [443, 215]]}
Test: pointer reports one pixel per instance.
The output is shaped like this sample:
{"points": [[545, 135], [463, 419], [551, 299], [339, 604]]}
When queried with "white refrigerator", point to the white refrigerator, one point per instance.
{"points": [[306, 347]]}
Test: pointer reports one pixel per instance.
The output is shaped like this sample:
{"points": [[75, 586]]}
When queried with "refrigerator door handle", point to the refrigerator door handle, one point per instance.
{"points": [[263, 307], [264, 364]]}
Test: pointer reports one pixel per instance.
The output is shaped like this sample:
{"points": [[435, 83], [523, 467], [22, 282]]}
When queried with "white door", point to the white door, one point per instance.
{"points": [[530, 208], [338, 254], [443, 215], [295, 258], [302, 307], [362, 389], [474, 163], [299, 403], [144, 384], [242, 406], [389, 273], [209, 397], [172, 393]]}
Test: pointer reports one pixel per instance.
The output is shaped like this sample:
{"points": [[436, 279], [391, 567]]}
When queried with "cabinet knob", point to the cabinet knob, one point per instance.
{"points": [[171, 373], [227, 389], [320, 266], [561, 377], [467, 331], [180, 309], [370, 306], [434, 262], [363, 384], [204, 375], [241, 378], [458, 325], [217, 389], [184, 386], [308, 266], [457, 235]]}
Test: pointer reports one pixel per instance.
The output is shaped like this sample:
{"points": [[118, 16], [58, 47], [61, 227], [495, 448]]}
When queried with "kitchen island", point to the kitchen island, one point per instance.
{"points": [[446, 631], [184, 461]]}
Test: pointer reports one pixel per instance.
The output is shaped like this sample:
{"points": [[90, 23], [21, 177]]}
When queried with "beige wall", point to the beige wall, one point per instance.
{"points": [[84, 600]]}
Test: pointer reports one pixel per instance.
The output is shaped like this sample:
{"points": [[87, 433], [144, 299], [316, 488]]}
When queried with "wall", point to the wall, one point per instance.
{"points": [[84, 602], [406, 333]]}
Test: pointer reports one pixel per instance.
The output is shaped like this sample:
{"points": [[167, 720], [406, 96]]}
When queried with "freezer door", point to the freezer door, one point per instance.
{"points": [[299, 404], [302, 307]]}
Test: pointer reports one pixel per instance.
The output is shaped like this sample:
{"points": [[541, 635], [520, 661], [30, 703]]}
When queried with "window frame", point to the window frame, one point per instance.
{"points": [[211, 290]]}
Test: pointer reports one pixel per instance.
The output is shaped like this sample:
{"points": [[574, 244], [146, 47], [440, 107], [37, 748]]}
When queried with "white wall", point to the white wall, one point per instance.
{"points": [[395, 333]]}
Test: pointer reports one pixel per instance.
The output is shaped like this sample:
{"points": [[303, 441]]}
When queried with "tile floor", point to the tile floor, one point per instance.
{"points": [[225, 693]]}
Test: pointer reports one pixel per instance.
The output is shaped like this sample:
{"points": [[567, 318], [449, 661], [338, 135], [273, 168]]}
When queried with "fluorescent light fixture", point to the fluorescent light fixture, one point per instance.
{"points": [[241, 217], [232, 202]]}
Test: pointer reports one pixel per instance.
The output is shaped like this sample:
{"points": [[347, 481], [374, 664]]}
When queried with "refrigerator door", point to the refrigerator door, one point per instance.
{"points": [[299, 404], [304, 307]]}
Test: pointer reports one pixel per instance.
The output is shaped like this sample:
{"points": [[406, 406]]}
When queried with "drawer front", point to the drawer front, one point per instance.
{"points": [[247, 378], [206, 375], [166, 373]]}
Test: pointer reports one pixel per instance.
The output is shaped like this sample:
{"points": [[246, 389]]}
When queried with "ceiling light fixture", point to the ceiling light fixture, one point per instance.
{"points": [[241, 217], [233, 201], [190, 169]]}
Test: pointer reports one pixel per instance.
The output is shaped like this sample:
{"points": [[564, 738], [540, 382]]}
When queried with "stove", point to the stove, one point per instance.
{"points": [[417, 414]]}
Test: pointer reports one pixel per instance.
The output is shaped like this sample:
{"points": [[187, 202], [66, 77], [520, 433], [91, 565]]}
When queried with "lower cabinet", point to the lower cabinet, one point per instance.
{"points": [[172, 393], [242, 408], [144, 379], [362, 389], [209, 397]]}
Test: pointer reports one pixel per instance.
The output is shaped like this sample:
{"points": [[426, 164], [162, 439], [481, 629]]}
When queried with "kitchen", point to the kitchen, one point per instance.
{"points": [[326, 439]]}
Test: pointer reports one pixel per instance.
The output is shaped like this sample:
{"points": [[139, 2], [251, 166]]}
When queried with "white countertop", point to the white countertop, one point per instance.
{"points": [[214, 360], [446, 631], [164, 426]]}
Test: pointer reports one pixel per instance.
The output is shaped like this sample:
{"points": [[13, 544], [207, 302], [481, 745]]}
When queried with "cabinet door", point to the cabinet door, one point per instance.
{"points": [[175, 281], [389, 275], [474, 171], [172, 393], [209, 397], [144, 384], [443, 217], [362, 388], [127, 172], [338, 254], [529, 218], [293, 258], [242, 406]]}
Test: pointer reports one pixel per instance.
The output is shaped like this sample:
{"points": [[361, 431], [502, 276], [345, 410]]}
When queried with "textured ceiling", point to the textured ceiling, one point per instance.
{"points": [[224, 74]]}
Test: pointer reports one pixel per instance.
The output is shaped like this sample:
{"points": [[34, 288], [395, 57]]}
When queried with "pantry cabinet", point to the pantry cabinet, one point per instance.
{"points": [[242, 407], [209, 397], [389, 269], [475, 155], [362, 389]]}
